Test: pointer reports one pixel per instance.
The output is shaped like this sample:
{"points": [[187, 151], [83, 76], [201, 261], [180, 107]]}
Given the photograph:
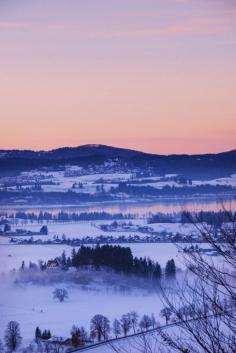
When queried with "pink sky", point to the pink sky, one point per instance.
{"points": [[153, 75]]}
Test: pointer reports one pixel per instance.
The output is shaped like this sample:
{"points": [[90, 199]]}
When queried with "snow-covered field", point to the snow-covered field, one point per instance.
{"points": [[11, 256], [220, 181], [87, 228], [75, 230], [87, 181], [32, 305]]}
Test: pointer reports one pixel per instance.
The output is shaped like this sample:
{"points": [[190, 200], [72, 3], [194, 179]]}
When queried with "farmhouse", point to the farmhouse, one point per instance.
{"points": [[59, 340], [53, 265]]}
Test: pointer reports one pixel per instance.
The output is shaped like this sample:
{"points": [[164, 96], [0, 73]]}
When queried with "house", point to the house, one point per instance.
{"points": [[53, 265], [59, 340]]}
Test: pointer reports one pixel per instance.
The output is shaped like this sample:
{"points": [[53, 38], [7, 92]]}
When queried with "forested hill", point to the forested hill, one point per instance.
{"points": [[71, 153], [200, 166]]}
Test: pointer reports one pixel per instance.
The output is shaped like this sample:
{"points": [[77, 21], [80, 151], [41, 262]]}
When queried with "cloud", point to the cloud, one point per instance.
{"points": [[199, 26], [14, 25], [233, 12], [188, 27]]}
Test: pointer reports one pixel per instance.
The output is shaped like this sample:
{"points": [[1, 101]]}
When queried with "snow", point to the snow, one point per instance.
{"points": [[11, 255], [77, 229], [231, 180], [33, 305], [63, 180], [186, 229], [161, 252]]}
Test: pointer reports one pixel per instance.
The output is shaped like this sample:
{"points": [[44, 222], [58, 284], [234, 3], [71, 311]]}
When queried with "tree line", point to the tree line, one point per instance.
{"points": [[62, 216], [101, 328], [171, 190], [209, 217], [118, 258]]}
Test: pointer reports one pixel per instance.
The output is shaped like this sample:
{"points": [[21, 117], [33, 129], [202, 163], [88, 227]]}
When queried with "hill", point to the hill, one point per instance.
{"points": [[198, 166]]}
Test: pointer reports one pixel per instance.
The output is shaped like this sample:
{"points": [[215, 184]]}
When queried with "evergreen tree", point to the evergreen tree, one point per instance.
{"points": [[73, 257], [63, 259], [46, 334], [75, 336], [38, 334], [44, 230], [22, 266], [170, 270], [157, 271], [7, 228]]}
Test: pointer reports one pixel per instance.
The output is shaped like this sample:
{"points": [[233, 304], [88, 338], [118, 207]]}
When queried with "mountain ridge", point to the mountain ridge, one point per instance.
{"points": [[201, 166], [89, 150]]}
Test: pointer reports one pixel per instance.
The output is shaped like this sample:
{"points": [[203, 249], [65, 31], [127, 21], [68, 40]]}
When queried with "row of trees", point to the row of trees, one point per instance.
{"points": [[171, 190], [209, 217], [42, 334], [129, 323], [216, 218], [7, 228], [100, 329], [119, 259], [63, 216]]}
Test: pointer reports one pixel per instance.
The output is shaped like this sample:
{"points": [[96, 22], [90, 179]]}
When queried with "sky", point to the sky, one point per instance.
{"points": [[153, 75]]}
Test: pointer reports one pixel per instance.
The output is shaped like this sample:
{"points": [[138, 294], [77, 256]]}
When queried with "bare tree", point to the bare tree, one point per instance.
{"points": [[133, 317], [12, 336], [56, 347], [166, 313], [204, 305], [154, 323], [145, 322], [116, 328], [125, 323], [100, 327], [60, 293]]}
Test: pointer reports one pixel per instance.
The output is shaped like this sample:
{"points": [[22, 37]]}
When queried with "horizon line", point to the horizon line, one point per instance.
{"points": [[92, 145]]}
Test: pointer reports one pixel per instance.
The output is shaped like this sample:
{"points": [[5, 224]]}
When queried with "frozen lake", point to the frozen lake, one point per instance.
{"points": [[140, 208]]}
